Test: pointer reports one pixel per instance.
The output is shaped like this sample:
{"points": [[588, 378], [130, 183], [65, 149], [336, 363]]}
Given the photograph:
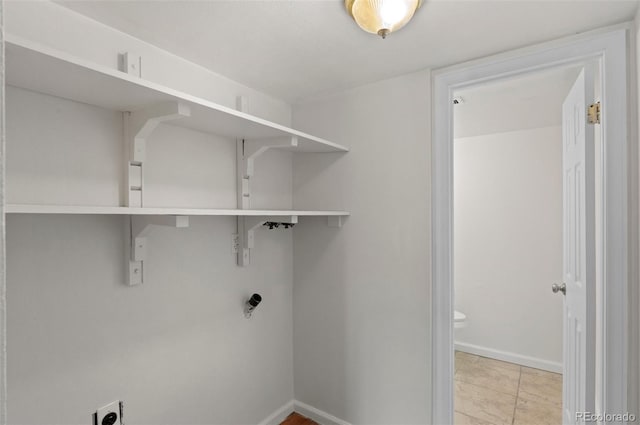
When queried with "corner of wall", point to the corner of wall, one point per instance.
{"points": [[279, 415], [317, 414]]}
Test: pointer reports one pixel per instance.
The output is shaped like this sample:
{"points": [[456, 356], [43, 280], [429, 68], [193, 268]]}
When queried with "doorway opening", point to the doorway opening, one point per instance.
{"points": [[508, 248], [608, 49]]}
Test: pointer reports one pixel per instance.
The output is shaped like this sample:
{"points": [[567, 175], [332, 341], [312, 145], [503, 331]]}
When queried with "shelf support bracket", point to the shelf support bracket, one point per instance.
{"points": [[139, 228], [334, 221], [138, 127], [247, 227], [246, 153]]}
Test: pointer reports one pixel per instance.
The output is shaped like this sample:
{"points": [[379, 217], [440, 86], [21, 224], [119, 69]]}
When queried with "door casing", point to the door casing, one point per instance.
{"points": [[610, 48]]}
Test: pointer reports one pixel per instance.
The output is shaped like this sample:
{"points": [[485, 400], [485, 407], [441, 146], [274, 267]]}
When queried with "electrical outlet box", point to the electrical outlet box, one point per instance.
{"points": [[111, 414]]}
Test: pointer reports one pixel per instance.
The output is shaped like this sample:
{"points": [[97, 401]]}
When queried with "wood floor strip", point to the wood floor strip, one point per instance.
{"points": [[297, 419]]}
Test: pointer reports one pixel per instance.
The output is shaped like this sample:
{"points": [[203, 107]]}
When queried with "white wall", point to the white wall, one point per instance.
{"points": [[361, 293], [508, 243], [177, 349]]}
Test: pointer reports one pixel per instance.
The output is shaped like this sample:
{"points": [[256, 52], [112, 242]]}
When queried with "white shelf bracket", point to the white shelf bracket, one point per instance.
{"points": [[247, 151], [334, 221], [139, 229], [131, 63], [247, 227], [242, 104], [138, 127]]}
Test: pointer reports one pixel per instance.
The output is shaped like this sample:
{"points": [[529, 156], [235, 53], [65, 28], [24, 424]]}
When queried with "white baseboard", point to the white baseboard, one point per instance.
{"points": [[279, 415], [323, 418], [509, 357]]}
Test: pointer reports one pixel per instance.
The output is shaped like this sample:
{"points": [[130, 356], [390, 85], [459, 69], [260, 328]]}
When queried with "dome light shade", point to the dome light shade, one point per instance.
{"points": [[382, 17]]}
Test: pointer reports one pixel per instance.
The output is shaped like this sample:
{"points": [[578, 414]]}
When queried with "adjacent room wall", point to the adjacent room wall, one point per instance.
{"points": [[361, 293], [176, 349], [508, 245]]}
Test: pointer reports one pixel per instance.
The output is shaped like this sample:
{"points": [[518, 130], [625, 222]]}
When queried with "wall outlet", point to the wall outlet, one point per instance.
{"points": [[111, 414], [235, 243]]}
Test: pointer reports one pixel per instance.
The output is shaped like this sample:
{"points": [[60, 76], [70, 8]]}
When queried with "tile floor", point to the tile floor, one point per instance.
{"points": [[492, 392]]}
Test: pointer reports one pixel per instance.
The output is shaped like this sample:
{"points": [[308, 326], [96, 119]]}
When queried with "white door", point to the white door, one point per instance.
{"points": [[579, 249]]}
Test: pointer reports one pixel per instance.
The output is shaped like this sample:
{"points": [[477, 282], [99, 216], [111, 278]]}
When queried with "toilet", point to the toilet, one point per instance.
{"points": [[459, 319]]}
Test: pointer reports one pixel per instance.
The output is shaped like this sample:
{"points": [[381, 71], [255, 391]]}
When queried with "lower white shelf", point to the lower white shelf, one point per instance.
{"points": [[142, 220], [77, 209]]}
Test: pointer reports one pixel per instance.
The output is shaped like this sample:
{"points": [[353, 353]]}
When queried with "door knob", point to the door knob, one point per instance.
{"points": [[559, 288]]}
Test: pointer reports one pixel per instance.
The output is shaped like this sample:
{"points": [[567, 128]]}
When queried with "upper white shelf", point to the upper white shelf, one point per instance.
{"points": [[78, 209], [40, 69]]}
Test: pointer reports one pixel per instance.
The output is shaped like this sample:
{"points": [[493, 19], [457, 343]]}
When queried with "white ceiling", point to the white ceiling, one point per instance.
{"points": [[531, 101], [296, 49]]}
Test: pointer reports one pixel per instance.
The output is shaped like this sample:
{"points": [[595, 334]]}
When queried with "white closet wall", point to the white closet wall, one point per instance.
{"points": [[176, 349], [361, 295]]}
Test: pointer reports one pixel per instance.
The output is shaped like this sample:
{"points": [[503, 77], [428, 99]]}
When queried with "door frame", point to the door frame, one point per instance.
{"points": [[3, 286], [610, 47]]}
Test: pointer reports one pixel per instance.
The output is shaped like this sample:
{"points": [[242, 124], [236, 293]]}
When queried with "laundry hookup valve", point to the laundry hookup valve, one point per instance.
{"points": [[251, 304]]}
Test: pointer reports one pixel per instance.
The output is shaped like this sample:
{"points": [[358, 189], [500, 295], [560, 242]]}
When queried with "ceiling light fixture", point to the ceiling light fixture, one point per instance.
{"points": [[382, 17]]}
